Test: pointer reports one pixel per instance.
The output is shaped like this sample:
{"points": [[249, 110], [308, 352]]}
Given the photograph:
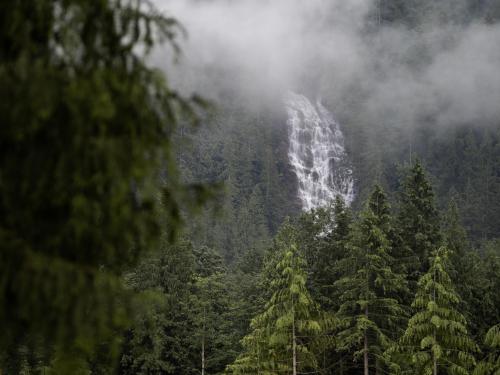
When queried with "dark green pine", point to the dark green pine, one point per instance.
{"points": [[436, 339], [285, 337], [418, 220], [371, 313]]}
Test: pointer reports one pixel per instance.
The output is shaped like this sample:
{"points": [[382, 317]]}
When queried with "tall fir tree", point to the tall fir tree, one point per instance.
{"points": [[455, 237], [336, 235], [284, 337], [322, 234], [464, 264], [436, 338], [418, 220], [370, 313], [158, 342], [210, 304]]}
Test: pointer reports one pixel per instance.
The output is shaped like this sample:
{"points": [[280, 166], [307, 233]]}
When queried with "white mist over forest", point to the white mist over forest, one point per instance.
{"points": [[445, 68]]}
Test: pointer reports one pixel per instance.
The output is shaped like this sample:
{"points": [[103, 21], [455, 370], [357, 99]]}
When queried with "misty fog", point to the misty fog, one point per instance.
{"points": [[445, 68]]}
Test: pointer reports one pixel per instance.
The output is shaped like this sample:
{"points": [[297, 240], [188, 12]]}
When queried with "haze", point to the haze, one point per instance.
{"points": [[445, 69]]}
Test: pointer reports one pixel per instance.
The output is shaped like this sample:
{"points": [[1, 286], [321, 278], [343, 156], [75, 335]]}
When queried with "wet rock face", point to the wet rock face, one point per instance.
{"points": [[317, 154]]}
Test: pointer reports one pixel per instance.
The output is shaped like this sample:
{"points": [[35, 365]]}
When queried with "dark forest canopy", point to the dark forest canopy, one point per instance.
{"points": [[105, 270]]}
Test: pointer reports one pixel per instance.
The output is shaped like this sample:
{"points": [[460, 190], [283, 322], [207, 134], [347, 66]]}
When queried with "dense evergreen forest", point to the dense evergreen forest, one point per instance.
{"points": [[144, 231]]}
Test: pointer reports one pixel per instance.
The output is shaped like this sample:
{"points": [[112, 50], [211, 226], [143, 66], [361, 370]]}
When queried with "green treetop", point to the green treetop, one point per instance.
{"points": [[437, 337], [284, 337], [418, 219], [465, 269], [322, 234], [158, 340], [370, 312]]}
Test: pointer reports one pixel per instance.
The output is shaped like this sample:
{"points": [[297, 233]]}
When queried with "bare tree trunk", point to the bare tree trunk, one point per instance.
{"points": [[203, 357], [294, 345], [203, 345], [258, 359], [435, 370], [365, 355]]}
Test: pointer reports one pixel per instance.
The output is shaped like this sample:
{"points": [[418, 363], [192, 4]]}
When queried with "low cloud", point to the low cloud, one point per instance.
{"points": [[442, 68]]}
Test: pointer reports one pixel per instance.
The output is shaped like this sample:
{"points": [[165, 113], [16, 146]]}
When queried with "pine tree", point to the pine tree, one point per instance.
{"points": [[463, 263], [335, 249], [322, 234], [209, 307], [245, 284], [455, 237], [370, 311], [436, 336], [77, 92], [158, 341], [284, 336], [418, 219]]}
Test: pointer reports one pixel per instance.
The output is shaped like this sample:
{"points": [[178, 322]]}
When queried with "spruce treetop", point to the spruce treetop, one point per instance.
{"points": [[437, 335]]}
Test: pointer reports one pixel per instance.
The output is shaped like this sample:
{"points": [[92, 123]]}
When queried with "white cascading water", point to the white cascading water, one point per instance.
{"points": [[317, 153]]}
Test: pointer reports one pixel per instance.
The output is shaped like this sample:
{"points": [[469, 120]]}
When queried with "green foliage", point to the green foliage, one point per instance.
{"points": [[158, 341], [86, 128], [485, 304], [437, 336], [491, 364], [247, 288], [455, 237], [464, 268], [418, 220], [243, 149], [322, 235], [466, 161], [184, 311], [212, 309], [371, 312], [290, 327]]}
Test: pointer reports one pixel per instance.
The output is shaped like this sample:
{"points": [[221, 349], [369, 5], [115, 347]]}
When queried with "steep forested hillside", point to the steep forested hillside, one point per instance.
{"points": [[246, 151], [463, 163], [246, 145]]}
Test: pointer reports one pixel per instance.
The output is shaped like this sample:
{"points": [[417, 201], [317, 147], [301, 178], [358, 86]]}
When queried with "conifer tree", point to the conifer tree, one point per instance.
{"points": [[159, 338], [418, 219], [284, 336], [209, 306], [78, 93], [323, 235], [464, 263], [436, 336], [457, 242], [343, 219], [370, 312]]}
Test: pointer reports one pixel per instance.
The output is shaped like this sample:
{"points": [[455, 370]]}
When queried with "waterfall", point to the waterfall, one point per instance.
{"points": [[317, 154]]}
